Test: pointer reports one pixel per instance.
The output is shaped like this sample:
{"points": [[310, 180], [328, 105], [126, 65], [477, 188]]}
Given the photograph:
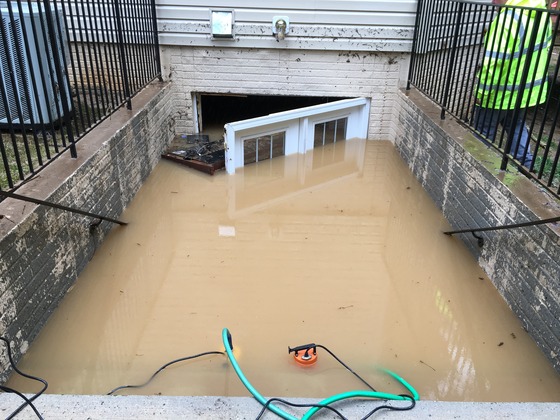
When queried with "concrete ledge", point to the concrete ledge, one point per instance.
{"points": [[150, 407]]}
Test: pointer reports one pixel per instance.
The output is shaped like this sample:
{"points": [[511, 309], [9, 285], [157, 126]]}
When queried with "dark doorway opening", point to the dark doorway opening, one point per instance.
{"points": [[215, 110]]}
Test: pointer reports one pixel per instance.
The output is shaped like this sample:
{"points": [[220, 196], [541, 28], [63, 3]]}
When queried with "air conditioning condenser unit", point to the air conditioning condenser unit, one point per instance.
{"points": [[29, 79]]}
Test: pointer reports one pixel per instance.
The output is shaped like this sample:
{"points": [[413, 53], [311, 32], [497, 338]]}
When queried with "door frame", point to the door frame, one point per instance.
{"points": [[299, 126]]}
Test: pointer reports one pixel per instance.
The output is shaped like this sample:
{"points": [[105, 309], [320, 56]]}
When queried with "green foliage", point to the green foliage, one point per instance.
{"points": [[15, 149], [547, 170]]}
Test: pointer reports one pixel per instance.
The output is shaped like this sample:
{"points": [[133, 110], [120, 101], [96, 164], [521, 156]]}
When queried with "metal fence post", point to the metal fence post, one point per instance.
{"points": [[156, 40], [451, 61], [419, 10], [116, 6], [62, 87]]}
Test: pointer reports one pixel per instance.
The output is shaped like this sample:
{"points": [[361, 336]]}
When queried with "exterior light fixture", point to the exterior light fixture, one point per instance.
{"points": [[280, 27], [221, 23]]}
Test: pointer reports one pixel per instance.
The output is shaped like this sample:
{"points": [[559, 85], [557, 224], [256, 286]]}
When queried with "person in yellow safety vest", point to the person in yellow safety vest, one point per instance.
{"points": [[503, 69]]}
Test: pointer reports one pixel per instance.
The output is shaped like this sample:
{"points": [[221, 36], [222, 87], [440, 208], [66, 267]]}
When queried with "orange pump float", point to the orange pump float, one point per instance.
{"points": [[305, 355]]}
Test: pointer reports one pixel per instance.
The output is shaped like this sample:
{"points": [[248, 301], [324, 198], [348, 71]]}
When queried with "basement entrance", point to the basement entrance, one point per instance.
{"points": [[266, 127]]}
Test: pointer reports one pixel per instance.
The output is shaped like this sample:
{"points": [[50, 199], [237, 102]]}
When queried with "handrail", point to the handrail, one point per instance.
{"points": [[61, 207], [501, 227]]}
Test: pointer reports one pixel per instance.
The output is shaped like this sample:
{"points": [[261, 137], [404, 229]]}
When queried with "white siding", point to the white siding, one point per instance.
{"points": [[346, 25]]}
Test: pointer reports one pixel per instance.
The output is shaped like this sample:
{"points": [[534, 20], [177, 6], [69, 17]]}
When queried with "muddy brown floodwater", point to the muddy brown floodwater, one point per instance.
{"points": [[340, 247]]}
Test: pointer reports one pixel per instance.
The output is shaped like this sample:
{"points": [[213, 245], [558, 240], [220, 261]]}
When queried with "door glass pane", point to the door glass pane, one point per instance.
{"points": [[330, 132], [264, 147]]}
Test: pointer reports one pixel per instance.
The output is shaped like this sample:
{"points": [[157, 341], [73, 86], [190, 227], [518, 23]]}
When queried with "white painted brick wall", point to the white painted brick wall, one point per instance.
{"points": [[286, 72]]}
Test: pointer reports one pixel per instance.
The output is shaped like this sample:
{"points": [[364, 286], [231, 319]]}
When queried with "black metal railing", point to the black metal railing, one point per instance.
{"points": [[447, 65], [474, 231], [65, 67]]}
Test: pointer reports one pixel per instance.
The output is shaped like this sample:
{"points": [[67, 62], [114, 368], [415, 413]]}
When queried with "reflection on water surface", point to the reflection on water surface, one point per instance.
{"points": [[340, 247]]}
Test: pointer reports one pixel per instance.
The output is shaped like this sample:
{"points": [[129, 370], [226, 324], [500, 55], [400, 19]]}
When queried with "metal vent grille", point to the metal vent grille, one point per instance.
{"points": [[14, 75]]}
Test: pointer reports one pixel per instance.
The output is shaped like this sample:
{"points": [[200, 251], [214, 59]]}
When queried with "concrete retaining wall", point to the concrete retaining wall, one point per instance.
{"points": [[42, 250], [463, 178]]}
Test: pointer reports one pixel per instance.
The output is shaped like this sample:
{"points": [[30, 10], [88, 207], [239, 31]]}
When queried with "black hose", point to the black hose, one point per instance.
{"points": [[28, 401], [347, 367], [163, 367], [392, 407], [271, 400]]}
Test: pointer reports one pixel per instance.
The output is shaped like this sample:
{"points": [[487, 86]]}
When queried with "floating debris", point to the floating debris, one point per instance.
{"points": [[424, 363], [198, 152]]}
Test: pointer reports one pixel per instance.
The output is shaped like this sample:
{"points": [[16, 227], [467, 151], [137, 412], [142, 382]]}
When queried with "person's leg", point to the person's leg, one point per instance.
{"points": [[520, 148], [486, 122]]}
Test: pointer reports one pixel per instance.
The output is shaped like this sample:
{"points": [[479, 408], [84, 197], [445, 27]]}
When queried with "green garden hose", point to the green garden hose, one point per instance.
{"points": [[226, 337]]}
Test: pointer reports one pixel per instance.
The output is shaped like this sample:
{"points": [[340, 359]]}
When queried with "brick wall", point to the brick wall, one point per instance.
{"points": [[463, 178], [42, 250], [285, 72]]}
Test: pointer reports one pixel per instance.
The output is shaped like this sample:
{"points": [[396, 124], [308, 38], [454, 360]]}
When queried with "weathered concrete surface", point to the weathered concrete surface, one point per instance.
{"points": [[463, 177], [43, 250], [159, 407]]}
